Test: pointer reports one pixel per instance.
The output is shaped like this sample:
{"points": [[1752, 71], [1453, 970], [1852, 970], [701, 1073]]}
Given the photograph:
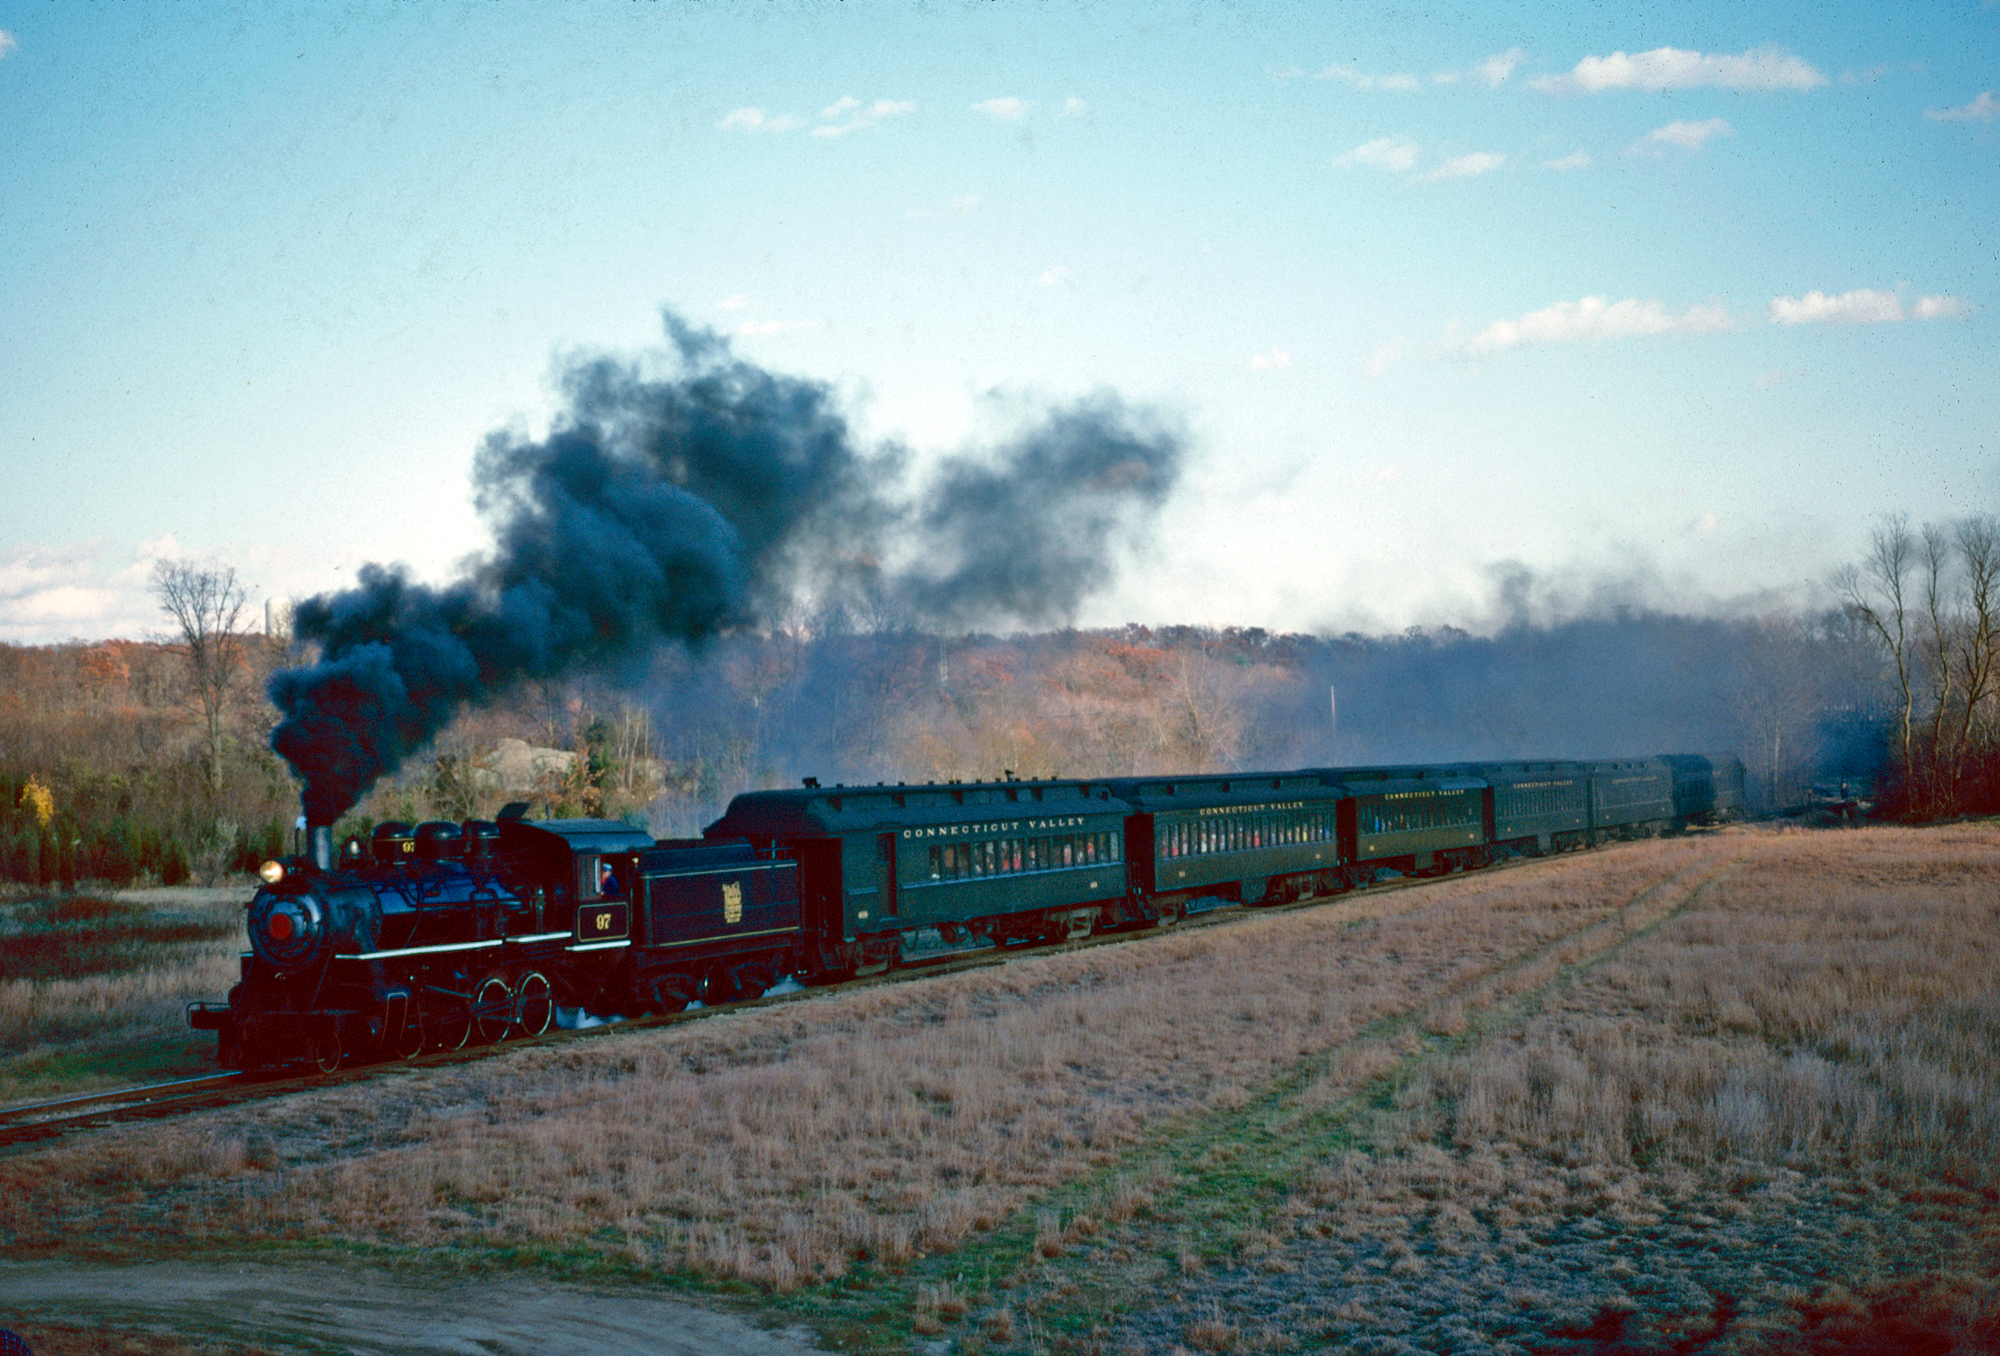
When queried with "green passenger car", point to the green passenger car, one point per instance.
{"points": [[1536, 807], [1630, 798], [1411, 820], [1002, 861], [1252, 837]]}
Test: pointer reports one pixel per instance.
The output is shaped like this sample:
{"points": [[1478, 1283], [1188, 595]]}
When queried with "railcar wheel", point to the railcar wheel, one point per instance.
{"points": [[325, 1050], [752, 979], [669, 992], [492, 1009], [534, 1004]]}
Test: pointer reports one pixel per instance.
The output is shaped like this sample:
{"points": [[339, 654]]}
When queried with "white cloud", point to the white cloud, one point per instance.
{"points": [[851, 115], [1939, 308], [1356, 80], [1496, 68], [1466, 166], [1759, 71], [734, 302], [1705, 525], [1386, 357], [1007, 109], [7, 42], [1052, 277], [1863, 306], [1389, 153], [1074, 107], [1274, 359], [756, 120], [1688, 136], [53, 594], [1578, 159], [1593, 318], [1981, 109], [1381, 475]]}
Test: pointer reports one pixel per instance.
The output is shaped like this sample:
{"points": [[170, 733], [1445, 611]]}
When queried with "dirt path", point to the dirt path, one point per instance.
{"points": [[322, 1307]]}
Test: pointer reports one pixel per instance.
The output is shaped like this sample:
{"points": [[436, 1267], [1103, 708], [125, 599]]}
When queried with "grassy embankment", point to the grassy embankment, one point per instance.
{"points": [[1011, 1158]]}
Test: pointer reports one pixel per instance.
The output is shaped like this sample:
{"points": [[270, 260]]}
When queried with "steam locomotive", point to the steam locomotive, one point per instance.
{"points": [[433, 937]]}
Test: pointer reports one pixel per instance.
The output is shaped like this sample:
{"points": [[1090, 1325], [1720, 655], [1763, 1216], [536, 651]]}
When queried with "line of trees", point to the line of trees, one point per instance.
{"points": [[133, 761], [140, 761], [1929, 597]]}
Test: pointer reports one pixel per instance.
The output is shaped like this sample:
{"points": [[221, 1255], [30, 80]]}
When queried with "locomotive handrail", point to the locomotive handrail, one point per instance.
{"points": [[426, 950]]}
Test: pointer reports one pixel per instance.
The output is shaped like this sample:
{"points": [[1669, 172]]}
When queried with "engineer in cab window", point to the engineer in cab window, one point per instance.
{"points": [[607, 881]]}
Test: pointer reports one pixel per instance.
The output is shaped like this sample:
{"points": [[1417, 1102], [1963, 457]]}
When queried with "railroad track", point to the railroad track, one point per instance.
{"points": [[31, 1123], [66, 1115]]}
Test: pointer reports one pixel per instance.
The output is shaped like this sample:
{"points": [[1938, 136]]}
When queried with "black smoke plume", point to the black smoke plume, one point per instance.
{"points": [[671, 508]]}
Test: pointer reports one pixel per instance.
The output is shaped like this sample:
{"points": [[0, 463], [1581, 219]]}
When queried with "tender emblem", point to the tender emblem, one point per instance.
{"points": [[732, 902]]}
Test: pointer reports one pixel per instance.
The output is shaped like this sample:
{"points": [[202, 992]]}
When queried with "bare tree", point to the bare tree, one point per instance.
{"points": [[1979, 631], [206, 602], [1945, 647], [1201, 714], [1876, 594], [1776, 690]]}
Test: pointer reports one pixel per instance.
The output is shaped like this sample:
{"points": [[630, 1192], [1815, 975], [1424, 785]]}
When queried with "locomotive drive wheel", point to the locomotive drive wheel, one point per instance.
{"points": [[408, 1042], [492, 1009], [534, 1004], [447, 1019]]}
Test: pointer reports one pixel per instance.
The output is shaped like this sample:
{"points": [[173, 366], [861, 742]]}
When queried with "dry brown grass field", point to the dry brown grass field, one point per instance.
{"points": [[93, 987], [1738, 1091]]}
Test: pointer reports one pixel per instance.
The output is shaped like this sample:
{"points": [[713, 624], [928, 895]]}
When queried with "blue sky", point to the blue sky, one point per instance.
{"points": [[1675, 301]]}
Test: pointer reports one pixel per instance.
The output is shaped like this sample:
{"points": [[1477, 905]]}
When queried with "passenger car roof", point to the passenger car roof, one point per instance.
{"points": [[858, 809]]}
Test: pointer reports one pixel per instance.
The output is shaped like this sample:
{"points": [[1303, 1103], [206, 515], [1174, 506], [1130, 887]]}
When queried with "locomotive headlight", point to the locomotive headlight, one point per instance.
{"points": [[272, 872]]}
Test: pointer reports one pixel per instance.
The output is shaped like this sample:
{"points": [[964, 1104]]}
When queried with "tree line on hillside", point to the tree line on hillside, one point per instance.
{"points": [[149, 761]]}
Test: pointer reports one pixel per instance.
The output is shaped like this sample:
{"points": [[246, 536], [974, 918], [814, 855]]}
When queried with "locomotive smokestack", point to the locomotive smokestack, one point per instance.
{"points": [[319, 839]]}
